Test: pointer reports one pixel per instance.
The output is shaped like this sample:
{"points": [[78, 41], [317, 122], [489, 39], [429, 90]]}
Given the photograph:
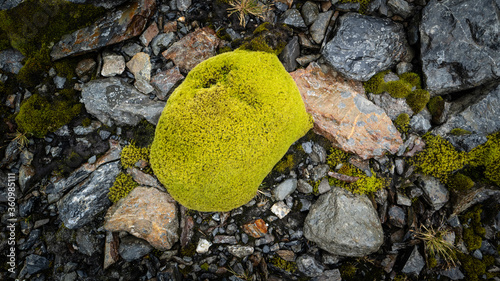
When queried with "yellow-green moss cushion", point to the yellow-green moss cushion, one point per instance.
{"points": [[225, 127]]}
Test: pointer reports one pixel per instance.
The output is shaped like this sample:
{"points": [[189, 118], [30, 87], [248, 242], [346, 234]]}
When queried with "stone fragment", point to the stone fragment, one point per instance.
{"points": [[453, 273], [183, 5], [110, 250], [473, 197], [140, 66], [400, 7], [240, 251], [459, 43], [256, 228], [323, 186], [26, 172], [403, 200], [304, 187], [329, 275], [284, 189], [293, 18], [34, 264], [415, 263], [146, 213], [143, 86], [397, 216], [343, 115], [149, 34], [420, 124], [203, 246], [344, 224], [434, 191], [309, 266], [10, 60], [286, 255], [280, 209], [166, 81], [161, 42], [9, 4], [187, 228], [113, 64], [88, 198], [365, 45], [318, 28], [310, 12], [481, 118], [132, 248], [119, 25], [112, 100], [87, 243], [305, 60], [392, 106], [142, 178], [170, 26], [131, 48], [193, 49], [290, 53], [225, 239]]}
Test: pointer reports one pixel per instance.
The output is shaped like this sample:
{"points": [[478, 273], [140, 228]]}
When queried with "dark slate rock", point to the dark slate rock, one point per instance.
{"points": [[481, 118], [112, 100], [434, 191], [318, 28], [290, 53], [310, 12], [329, 275], [400, 7], [107, 4], [132, 248], [460, 45], [87, 243], [9, 4], [32, 239], [415, 263], [162, 42], [34, 264], [397, 216], [26, 207], [453, 273], [309, 266], [10, 60], [293, 18], [344, 224], [89, 198], [363, 46]]}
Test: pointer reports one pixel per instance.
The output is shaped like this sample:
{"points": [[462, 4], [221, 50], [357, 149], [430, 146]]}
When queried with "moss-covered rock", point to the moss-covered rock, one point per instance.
{"points": [[460, 182], [417, 100], [122, 186], [402, 123], [225, 127]]}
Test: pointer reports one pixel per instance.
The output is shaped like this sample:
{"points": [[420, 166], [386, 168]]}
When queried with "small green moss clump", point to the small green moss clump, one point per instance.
{"points": [[348, 270], [417, 100], [189, 250], [132, 153], [460, 182], [224, 129], [436, 105], [204, 266], [402, 123], [476, 268], [86, 122], [376, 84], [473, 230], [122, 186], [398, 89], [39, 115], [336, 157], [267, 38], [286, 164], [411, 78], [283, 264], [487, 156], [459, 132]]}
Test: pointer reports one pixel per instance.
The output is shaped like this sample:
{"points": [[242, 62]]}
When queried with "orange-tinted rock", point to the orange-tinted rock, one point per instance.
{"points": [[193, 48], [166, 81], [146, 213], [256, 228], [119, 25], [170, 26], [149, 34], [343, 115]]}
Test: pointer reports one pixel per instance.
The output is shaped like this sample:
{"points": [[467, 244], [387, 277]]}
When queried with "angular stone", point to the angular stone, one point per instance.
{"points": [[183, 5], [286, 255], [149, 34], [400, 7], [132, 248], [143, 178], [284, 189], [166, 81], [112, 100], [9, 4], [10, 60], [293, 18], [140, 66], [85, 67], [143, 86], [34, 264], [329, 275], [89, 198], [318, 28], [480, 118], [397, 216], [240, 251], [280, 209], [434, 191], [304, 187], [324, 186], [225, 239], [459, 44], [392, 106], [256, 228], [344, 224], [415, 262], [343, 115], [290, 53], [365, 45], [193, 49], [419, 123], [310, 12], [146, 213], [309, 266], [119, 25], [111, 249], [203, 246], [161, 42], [113, 64]]}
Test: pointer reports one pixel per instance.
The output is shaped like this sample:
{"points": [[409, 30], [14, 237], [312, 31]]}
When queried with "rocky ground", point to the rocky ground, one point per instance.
{"points": [[302, 224]]}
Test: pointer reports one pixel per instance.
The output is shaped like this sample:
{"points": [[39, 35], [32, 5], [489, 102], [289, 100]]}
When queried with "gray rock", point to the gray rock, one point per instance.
{"points": [[112, 100], [434, 191], [166, 81], [290, 53], [130, 49], [319, 172], [397, 216], [59, 82], [400, 7], [392, 106], [400, 166], [107, 4], [9, 4], [309, 266], [89, 198], [34, 264], [225, 239], [293, 18], [183, 5], [104, 134], [132, 248], [10, 60], [453, 273], [87, 243], [280, 209], [403, 200], [344, 224], [481, 118], [240, 251], [305, 60], [415, 263], [113, 64], [324, 186], [420, 124], [82, 131], [143, 86], [284, 189], [310, 12], [318, 28], [459, 44], [162, 42], [304, 187], [329, 275], [363, 46]]}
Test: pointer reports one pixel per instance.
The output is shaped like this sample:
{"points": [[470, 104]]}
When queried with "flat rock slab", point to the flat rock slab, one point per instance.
{"points": [[89, 198], [112, 100], [343, 115], [460, 44], [166, 81], [146, 213], [193, 48], [119, 25], [344, 224], [363, 46]]}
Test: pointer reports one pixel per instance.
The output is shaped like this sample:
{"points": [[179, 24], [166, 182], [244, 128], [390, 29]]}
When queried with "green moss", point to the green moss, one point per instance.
{"points": [[436, 105], [189, 250], [460, 182], [473, 229], [204, 266], [363, 4], [224, 49], [440, 158], [402, 123], [460, 132], [488, 157], [286, 164], [336, 157], [348, 270], [122, 186], [262, 27], [267, 38], [132, 153], [411, 78], [225, 127], [143, 133], [222, 34], [417, 100], [38, 115], [283, 264], [476, 268], [397, 89], [376, 84], [86, 122]]}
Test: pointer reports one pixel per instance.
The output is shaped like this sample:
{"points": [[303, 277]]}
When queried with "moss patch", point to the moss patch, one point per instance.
{"points": [[131, 154], [460, 182], [267, 38], [436, 105], [225, 127], [417, 100], [283, 264], [376, 84], [459, 132], [122, 186], [402, 123]]}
